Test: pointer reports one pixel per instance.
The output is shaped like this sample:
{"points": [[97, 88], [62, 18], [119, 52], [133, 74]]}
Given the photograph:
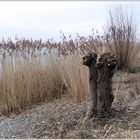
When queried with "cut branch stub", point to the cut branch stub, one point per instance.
{"points": [[89, 59], [110, 59]]}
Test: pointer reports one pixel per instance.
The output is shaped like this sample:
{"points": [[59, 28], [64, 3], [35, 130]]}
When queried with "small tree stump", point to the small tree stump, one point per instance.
{"points": [[100, 80], [107, 63], [90, 61]]}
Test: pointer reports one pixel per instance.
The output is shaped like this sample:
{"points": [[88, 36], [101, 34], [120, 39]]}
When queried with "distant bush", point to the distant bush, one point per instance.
{"points": [[120, 37]]}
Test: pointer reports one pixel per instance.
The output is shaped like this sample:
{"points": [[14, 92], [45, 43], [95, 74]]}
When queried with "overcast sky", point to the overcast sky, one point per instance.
{"points": [[46, 19]]}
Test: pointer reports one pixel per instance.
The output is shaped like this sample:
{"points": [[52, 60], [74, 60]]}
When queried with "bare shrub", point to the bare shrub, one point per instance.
{"points": [[120, 37]]}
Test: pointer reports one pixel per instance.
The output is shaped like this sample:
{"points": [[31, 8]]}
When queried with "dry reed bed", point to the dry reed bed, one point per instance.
{"points": [[34, 71], [26, 82], [30, 76]]}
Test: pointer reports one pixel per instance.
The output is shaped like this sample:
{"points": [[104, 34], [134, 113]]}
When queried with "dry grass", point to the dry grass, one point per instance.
{"points": [[36, 71], [62, 118], [33, 71], [29, 81]]}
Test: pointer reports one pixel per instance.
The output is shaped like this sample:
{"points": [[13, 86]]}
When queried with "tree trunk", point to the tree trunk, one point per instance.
{"points": [[104, 97], [107, 63], [93, 90], [90, 61], [100, 77]]}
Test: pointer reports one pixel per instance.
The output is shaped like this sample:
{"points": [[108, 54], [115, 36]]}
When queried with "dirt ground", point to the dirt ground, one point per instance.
{"points": [[62, 118]]}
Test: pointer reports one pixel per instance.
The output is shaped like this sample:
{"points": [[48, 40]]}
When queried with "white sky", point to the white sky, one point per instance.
{"points": [[45, 19]]}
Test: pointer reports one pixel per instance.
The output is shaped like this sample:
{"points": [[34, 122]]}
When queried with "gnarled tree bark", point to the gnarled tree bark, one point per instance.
{"points": [[90, 61], [107, 63], [100, 83]]}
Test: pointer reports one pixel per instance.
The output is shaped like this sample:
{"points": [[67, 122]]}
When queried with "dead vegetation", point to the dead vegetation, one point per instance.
{"points": [[34, 72], [62, 118], [120, 37]]}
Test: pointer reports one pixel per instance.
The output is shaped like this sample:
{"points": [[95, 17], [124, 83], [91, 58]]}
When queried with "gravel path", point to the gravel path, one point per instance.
{"points": [[62, 118], [48, 120]]}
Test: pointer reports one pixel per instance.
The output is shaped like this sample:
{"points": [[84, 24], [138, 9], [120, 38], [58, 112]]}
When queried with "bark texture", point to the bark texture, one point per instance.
{"points": [[106, 64], [100, 78], [90, 61]]}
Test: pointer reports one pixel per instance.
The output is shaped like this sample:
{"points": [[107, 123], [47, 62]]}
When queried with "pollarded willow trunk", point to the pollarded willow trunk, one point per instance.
{"points": [[90, 61], [100, 77], [107, 63]]}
